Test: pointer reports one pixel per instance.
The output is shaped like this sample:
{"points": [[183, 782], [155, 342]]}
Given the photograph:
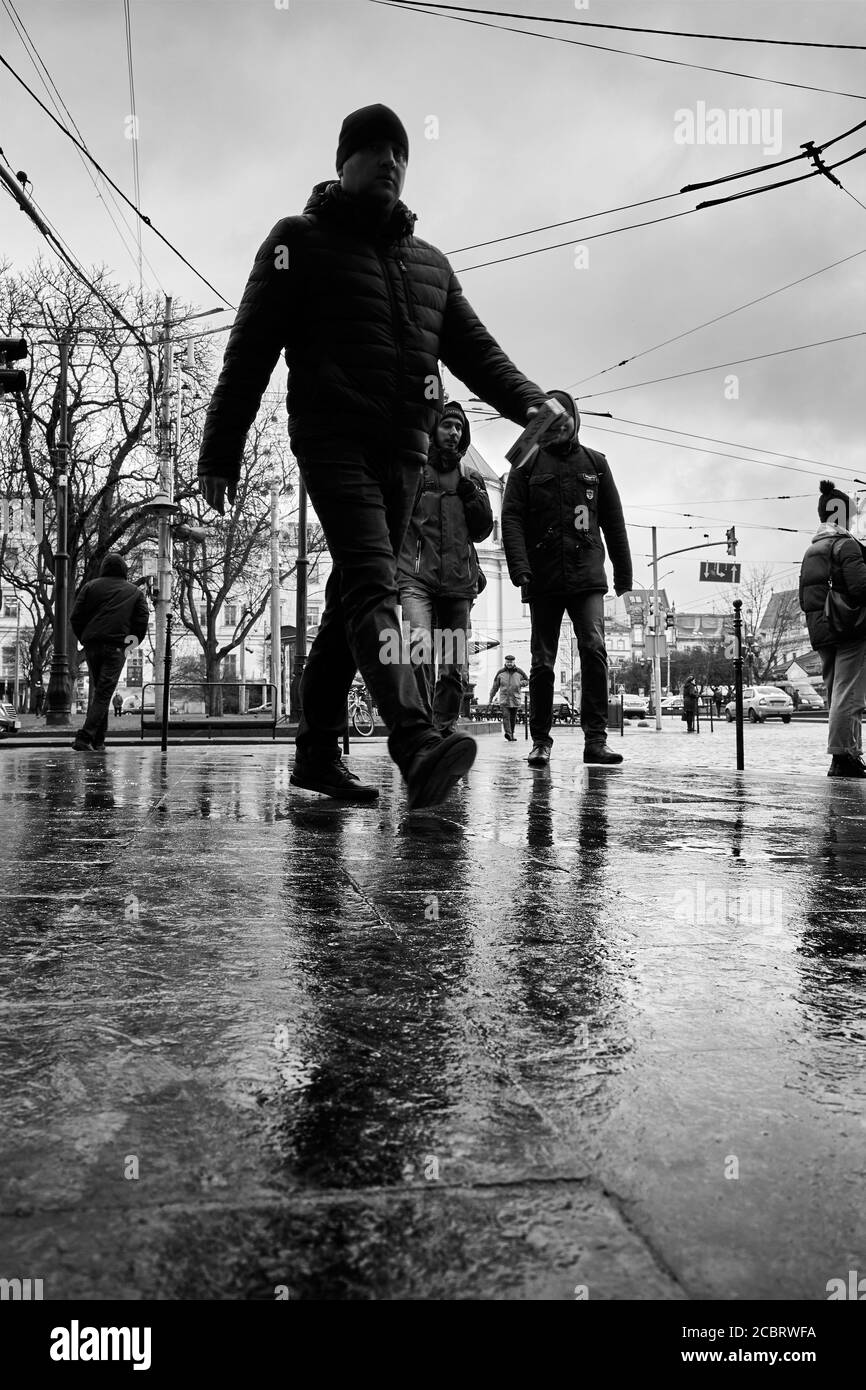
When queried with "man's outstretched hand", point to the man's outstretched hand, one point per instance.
{"points": [[214, 489], [557, 433]]}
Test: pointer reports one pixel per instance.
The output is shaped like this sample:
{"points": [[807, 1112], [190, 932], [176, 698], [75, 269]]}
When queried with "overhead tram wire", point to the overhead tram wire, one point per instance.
{"points": [[716, 453], [59, 105], [734, 444], [136, 178], [635, 29], [717, 319], [717, 366], [8, 66], [607, 48]]}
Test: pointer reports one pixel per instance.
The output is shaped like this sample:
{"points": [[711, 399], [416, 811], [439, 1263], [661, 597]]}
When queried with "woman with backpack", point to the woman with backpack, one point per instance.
{"points": [[833, 597]]}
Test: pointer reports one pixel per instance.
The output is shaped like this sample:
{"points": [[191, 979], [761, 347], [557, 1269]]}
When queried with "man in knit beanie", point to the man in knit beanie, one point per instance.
{"points": [[364, 311]]}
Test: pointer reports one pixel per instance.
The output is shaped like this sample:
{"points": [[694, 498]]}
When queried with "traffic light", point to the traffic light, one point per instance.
{"points": [[12, 350], [670, 621], [731, 535]]}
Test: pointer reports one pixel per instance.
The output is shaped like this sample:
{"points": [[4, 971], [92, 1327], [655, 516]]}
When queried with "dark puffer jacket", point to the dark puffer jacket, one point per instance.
{"points": [[849, 578], [363, 315], [553, 515], [452, 510]]}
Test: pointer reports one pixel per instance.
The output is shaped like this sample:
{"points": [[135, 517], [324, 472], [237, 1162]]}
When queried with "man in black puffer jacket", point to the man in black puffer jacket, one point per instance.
{"points": [[555, 510], [437, 569], [364, 310], [835, 552], [108, 614]]}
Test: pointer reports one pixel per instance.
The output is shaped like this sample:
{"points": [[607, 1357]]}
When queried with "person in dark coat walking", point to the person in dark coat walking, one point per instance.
{"points": [[364, 311], [117, 702], [508, 683], [438, 570], [837, 557], [109, 612], [556, 509], [690, 704]]}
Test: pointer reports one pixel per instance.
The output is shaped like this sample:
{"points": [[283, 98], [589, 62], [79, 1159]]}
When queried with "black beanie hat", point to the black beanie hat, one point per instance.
{"points": [[830, 501], [454, 409], [366, 125]]}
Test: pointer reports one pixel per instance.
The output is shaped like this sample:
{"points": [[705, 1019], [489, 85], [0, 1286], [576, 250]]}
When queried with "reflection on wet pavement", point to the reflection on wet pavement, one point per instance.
{"points": [[586, 1027]]}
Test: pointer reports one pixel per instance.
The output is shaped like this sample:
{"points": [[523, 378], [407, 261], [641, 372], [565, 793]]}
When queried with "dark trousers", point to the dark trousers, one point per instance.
{"points": [[509, 719], [586, 612], [438, 629], [363, 496], [105, 661]]}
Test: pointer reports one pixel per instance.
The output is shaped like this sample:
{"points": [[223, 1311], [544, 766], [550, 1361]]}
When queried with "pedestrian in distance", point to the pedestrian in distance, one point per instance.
{"points": [[718, 699], [508, 682], [691, 698], [836, 561], [118, 704], [364, 311], [108, 614], [555, 512], [438, 571]]}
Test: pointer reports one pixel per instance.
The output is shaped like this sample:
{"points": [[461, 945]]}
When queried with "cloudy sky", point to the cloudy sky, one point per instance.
{"points": [[240, 103]]}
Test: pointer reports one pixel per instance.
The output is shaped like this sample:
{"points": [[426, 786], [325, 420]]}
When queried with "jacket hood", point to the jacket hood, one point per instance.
{"points": [[328, 199], [567, 402], [830, 528], [436, 457]]}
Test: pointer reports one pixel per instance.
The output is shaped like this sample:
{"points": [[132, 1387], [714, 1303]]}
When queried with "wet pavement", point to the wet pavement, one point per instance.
{"points": [[581, 1032]]}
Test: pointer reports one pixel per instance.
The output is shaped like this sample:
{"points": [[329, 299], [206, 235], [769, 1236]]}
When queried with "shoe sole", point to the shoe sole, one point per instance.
{"points": [[603, 762], [337, 794], [453, 762]]}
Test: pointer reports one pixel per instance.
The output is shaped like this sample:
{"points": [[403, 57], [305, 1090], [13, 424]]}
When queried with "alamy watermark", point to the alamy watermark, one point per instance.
{"points": [[22, 516], [423, 647], [739, 126]]}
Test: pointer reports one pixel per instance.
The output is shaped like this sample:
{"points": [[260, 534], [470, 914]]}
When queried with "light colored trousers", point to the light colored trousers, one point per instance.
{"points": [[844, 672]]}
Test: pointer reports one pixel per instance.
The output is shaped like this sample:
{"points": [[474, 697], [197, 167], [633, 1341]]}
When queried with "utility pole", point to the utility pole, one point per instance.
{"points": [[657, 661], [58, 700], [166, 488], [301, 592], [276, 649], [16, 701]]}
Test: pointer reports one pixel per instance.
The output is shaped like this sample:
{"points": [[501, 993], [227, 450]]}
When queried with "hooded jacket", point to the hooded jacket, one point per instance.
{"points": [[109, 609], [849, 578], [452, 509], [555, 510], [364, 315]]}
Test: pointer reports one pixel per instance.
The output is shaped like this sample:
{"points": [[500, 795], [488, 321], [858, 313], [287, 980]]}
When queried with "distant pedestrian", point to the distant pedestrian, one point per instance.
{"points": [[438, 570], [835, 561], [118, 704], [555, 512], [509, 682], [38, 697], [107, 612], [691, 698], [718, 699]]}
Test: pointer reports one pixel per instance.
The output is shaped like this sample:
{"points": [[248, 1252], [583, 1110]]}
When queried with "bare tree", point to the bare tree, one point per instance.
{"points": [[775, 621]]}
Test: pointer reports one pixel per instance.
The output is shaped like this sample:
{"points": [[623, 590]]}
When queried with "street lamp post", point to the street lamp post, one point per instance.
{"points": [[276, 635]]}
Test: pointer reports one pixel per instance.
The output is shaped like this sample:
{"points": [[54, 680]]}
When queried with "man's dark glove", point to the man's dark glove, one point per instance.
{"points": [[524, 580], [466, 489]]}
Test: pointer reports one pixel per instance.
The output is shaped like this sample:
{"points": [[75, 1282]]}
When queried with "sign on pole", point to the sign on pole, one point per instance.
{"points": [[719, 572]]}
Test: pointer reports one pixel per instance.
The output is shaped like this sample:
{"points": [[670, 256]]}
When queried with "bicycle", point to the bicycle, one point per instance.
{"points": [[360, 713]]}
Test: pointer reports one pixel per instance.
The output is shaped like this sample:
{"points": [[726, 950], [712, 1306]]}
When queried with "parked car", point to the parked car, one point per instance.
{"points": [[9, 723], [635, 706], [809, 698], [762, 702], [672, 704]]}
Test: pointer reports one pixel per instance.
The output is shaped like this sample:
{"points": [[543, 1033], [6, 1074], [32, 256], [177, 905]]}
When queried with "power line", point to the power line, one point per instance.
{"points": [[690, 434], [552, 226], [628, 53], [58, 103], [739, 458], [719, 317], [97, 166], [136, 181], [717, 366], [594, 236], [635, 29]]}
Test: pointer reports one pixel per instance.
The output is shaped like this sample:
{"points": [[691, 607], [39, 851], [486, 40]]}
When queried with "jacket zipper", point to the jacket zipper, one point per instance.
{"points": [[410, 302], [397, 326], [418, 557]]}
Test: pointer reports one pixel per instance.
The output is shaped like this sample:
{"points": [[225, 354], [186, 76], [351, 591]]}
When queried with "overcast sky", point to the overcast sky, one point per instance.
{"points": [[240, 104]]}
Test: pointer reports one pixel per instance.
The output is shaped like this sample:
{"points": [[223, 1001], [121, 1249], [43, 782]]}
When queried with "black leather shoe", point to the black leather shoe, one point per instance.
{"points": [[331, 779], [82, 745], [846, 767], [601, 753], [435, 771], [540, 755]]}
